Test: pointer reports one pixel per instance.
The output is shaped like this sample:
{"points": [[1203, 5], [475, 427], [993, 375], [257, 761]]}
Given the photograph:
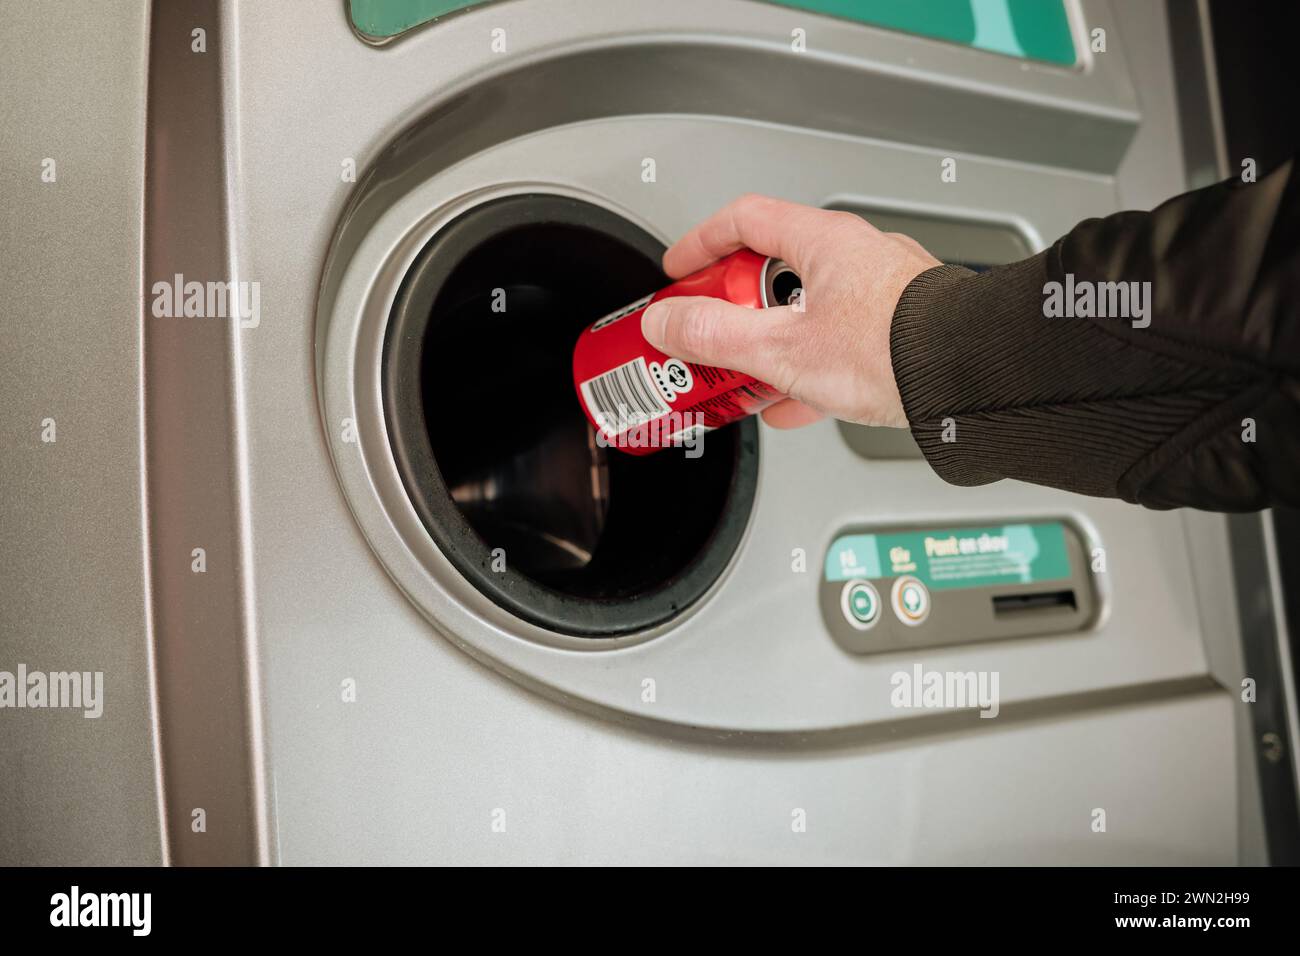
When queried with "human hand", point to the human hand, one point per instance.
{"points": [[832, 356]]}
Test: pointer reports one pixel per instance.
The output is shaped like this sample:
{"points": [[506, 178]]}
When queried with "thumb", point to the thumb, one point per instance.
{"points": [[717, 332]]}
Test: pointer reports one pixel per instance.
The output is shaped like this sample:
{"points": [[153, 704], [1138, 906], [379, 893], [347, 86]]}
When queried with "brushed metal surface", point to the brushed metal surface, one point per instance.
{"points": [[207, 666], [73, 562], [760, 631], [751, 664]]}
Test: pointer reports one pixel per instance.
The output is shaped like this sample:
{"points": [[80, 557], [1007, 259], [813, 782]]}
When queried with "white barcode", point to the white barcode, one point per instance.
{"points": [[623, 397]]}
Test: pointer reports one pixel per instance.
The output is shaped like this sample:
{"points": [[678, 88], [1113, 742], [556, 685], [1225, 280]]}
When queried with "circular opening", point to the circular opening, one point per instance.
{"points": [[498, 458], [787, 287]]}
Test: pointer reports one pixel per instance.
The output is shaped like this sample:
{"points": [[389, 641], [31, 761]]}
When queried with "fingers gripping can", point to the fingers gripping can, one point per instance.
{"points": [[640, 399]]}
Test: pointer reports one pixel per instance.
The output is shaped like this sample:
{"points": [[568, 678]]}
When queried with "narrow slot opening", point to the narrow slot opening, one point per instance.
{"points": [[1037, 601]]}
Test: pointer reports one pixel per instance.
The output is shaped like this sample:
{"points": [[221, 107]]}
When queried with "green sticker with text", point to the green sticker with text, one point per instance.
{"points": [[955, 558]]}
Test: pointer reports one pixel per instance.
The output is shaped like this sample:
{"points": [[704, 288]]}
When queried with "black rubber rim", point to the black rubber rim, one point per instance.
{"points": [[408, 432]]}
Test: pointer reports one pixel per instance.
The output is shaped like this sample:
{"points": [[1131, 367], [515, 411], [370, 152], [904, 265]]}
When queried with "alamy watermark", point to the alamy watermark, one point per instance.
{"points": [[629, 429], [208, 300], [73, 690], [946, 690], [130, 910], [1084, 299]]}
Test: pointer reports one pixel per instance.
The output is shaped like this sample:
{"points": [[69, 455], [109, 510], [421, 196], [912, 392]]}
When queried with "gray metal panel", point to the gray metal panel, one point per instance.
{"points": [[434, 742], [811, 485], [207, 669], [757, 714], [73, 578], [424, 763]]}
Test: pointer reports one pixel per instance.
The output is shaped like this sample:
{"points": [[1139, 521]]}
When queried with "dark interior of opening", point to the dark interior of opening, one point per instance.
{"points": [[1004, 604], [511, 449], [784, 285]]}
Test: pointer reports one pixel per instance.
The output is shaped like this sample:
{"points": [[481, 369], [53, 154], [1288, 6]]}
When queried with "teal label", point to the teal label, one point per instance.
{"points": [[388, 18], [957, 558], [1029, 29]]}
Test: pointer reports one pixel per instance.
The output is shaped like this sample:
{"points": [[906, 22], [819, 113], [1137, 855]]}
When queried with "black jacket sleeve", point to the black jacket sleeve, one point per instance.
{"points": [[1195, 403]]}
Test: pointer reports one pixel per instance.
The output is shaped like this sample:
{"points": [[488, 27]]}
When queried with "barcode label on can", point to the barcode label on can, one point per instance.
{"points": [[623, 397]]}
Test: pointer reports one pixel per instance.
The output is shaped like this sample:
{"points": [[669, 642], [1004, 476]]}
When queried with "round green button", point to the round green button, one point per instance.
{"points": [[862, 604]]}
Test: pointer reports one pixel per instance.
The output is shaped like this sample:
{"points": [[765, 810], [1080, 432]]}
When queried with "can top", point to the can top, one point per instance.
{"points": [[781, 284]]}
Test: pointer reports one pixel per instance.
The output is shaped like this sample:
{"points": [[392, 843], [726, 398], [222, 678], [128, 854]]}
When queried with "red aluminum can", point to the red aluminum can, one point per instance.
{"points": [[640, 399]]}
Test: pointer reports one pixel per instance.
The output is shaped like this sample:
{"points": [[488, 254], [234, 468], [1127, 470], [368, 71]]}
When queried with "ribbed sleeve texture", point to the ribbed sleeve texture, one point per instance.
{"points": [[995, 389]]}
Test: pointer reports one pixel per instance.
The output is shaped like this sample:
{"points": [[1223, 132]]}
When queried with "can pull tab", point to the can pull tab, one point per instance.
{"points": [[781, 285]]}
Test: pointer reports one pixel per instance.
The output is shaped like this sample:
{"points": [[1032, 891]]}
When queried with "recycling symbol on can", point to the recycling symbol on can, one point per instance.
{"points": [[672, 378]]}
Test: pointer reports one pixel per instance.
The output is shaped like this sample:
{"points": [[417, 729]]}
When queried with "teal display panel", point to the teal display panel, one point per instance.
{"points": [[388, 18], [948, 558], [1028, 29]]}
